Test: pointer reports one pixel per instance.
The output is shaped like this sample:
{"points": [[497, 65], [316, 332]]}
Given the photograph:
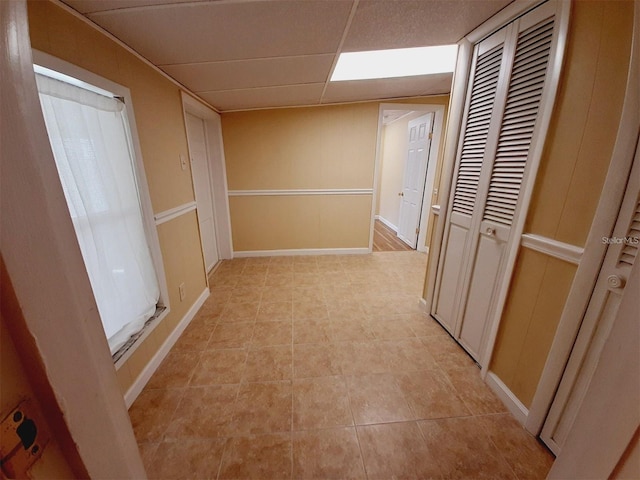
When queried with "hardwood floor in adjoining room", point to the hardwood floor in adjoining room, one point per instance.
{"points": [[325, 367], [386, 240]]}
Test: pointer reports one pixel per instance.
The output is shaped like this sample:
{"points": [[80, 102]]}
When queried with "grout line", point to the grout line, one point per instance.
{"points": [[355, 427]]}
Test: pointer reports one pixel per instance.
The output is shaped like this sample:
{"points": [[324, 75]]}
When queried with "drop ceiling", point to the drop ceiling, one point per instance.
{"points": [[249, 54]]}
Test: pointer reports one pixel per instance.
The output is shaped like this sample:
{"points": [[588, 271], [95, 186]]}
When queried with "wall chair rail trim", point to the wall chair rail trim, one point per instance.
{"points": [[175, 212], [301, 191], [554, 248], [301, 251]]}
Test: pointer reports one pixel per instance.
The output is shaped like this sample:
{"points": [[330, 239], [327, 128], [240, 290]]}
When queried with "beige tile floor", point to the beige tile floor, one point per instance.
{"points": [[325, 368]]}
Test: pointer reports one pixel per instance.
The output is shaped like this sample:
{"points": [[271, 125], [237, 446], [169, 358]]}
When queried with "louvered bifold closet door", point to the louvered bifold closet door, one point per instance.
{"points": [[488, 63], [622, 253], [501, 198]]}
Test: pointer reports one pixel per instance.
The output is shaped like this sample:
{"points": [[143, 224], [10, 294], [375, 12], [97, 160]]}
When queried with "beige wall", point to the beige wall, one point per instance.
{"points": [[300, 148], [16, 387], [327, 147], [395, 140], [160, 125], [568, 187]]}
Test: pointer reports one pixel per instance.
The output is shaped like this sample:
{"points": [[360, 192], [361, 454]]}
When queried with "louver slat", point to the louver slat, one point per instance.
{"points": [[483, 93], [521, 110], [630, 250]]}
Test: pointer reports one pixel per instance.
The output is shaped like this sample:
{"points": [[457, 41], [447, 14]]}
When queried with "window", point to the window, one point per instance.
{"points": [[94, 152]]}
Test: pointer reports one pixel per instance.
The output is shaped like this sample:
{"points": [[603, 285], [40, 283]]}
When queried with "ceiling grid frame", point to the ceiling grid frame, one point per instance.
{"points": [[239, 55]]}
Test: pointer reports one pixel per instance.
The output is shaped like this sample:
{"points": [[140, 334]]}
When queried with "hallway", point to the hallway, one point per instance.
{"points": [[325, 367]]}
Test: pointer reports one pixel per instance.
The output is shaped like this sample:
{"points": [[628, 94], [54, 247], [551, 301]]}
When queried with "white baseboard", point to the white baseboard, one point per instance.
{"points": [[300, 251], [387, 223], [423, 306], [512, 403], [162, 352]]}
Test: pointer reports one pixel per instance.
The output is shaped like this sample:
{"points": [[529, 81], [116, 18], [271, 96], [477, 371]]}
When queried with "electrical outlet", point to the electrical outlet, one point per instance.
{"points": [[183, 162], [183, 294]]}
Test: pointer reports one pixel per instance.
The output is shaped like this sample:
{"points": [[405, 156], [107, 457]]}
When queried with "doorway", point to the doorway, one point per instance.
{"points": [[209, 176], [408, 144], [203, 190]]}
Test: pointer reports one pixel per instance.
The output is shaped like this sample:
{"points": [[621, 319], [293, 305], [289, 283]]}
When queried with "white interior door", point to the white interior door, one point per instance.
{"points": [[202, 186], [415, 172], [481, 101], [599, 318]]}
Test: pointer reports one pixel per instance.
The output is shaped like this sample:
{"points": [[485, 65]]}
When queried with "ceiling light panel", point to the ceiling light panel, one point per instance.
{"points": [[399, 62]]}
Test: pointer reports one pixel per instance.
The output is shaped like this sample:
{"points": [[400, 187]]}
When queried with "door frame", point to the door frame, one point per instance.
{"points": [[217, 172], [195, 193], [432, 163], [88, 405], [426, 181], [594, 249]]}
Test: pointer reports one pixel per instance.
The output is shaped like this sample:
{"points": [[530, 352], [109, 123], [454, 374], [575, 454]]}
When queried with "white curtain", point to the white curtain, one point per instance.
{"points": [[92, 147]]}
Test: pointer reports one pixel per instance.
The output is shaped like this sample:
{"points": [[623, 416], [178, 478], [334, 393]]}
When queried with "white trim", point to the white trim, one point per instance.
{"points": [[121, 44], [163, 217], [515, 406], [300, 252], [217, 171], [422, 304], [428, 197], [553, 248], [162, 352], [543, 121], [377, 165], [457, 102], [387, 223], [301, 191], [506, 15], [594, 250]]}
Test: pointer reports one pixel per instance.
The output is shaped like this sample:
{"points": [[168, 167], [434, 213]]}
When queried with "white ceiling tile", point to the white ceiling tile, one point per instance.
{"points": [[92, 6], [291, 95], [265, 72], [214, 31], [242, 54], [388, 88], [383, 24]]}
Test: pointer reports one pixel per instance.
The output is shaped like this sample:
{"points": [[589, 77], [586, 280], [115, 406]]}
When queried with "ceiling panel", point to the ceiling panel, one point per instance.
{"points": [[264, 72], [91, 6], [243, 54], [388, 88], [286, 96], [214, 31], [382, 24]]}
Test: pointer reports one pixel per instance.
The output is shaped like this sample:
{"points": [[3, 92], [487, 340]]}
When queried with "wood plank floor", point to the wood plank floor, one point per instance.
{"points": [[386, 240]]}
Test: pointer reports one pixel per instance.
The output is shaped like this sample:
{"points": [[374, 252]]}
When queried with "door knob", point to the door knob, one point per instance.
{"points": [[490, 231], [614, 281]]}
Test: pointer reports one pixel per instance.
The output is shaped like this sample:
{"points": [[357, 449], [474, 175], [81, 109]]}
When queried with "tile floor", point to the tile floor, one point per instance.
{"points": [[325, 368]]}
